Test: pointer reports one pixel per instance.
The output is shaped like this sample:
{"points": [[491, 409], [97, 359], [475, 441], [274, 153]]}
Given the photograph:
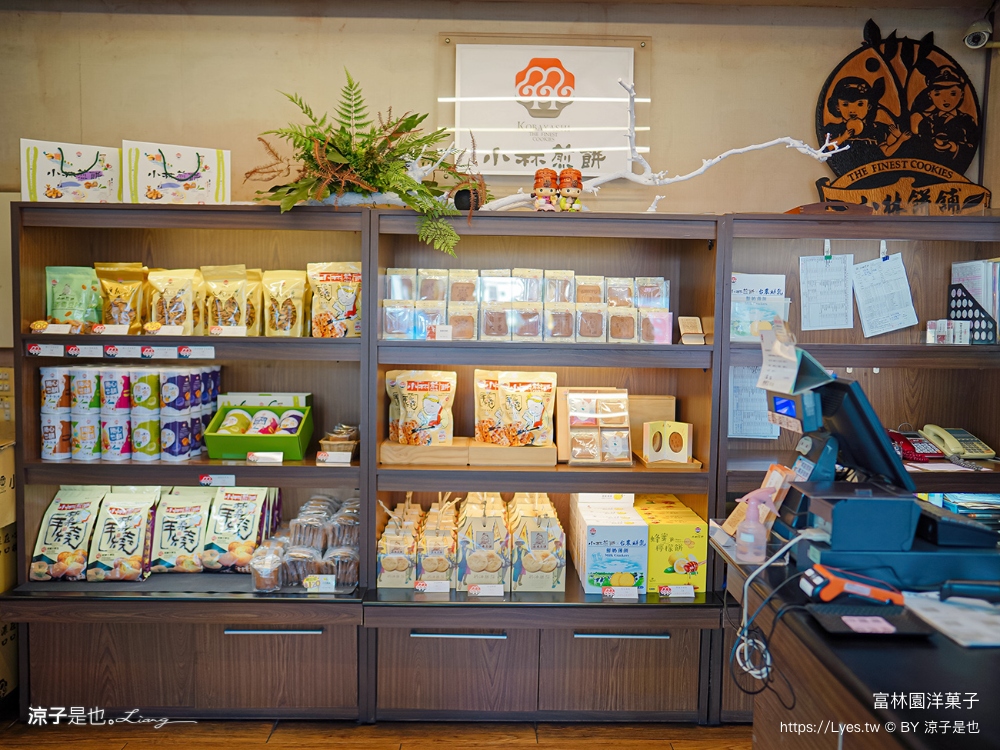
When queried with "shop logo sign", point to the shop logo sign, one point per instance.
{"points": [[545, 79], [912, 120]]}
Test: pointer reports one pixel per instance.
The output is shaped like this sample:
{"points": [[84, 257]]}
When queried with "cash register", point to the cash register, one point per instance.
{"points": [[856, 489]]}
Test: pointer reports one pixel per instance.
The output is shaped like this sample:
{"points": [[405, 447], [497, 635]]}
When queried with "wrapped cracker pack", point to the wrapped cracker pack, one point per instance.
{"points": [[336, 299], [64, 536], [235, 528], [255, 301], [121, 288], [284, 303], [123, 538], [73, 296], [489, 408], [174, 300], [426, 397]]}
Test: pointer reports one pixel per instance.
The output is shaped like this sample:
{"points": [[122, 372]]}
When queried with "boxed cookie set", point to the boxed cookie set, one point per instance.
{"points": [[538, 544], [599, 428], [417, 545], [608, 542]]}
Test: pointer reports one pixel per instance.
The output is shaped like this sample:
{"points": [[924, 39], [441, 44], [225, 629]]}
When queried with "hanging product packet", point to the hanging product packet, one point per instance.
{"points": [[489, 408], [235, 528], [528, 400], [179, 534], [336, 299], [174, 301], [225, 295], [284, 303], [123, 538], [72, 296], [255, 301], [64, 536], [426, 397], [121, 288]]}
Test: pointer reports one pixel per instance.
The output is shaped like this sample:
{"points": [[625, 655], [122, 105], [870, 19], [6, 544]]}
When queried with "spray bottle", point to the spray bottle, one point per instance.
{"points": [[751, 534]]}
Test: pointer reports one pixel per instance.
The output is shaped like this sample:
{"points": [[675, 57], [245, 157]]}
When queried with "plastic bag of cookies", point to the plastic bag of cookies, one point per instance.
{"points": [[560, 323], [463, 285], [255, 301], [225, 295], [284, 303], [121, 290], [179, 533], [528, 401], [489, 408], [401, 284], [336, 299], [623, 325], [427, 316], [266, 567], [426, 397], [495, 285], [343, 563], [64, 536], [73, 297], [235, 528], [173, 298], [432, 284], [123, 539]]}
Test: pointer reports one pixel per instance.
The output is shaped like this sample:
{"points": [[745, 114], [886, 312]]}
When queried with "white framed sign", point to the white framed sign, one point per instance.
{"points": [[534, 106]]}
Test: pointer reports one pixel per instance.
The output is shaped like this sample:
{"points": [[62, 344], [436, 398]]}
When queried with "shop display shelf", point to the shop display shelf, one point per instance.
{"points": [[559, 478], [487, 353], [884, 355], [306, 473], [256, 348]]}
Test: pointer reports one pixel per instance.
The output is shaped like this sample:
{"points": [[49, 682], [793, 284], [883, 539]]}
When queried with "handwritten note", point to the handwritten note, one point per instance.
{"points": [[883, 295], [748, 406], [825, 288]]}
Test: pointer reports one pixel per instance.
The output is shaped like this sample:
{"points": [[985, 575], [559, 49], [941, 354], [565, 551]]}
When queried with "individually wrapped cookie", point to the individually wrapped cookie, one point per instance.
{"points": [[656, 326], [265, 567], [620, 292], [300, 562], [342, 562], [463, 317], [495, 285], [121, 289], [526, 321], [585, 446], [652, 291], [612, 409], [432, 284], [560, 322], [427, 316], [526, 284], [463, 285], [559, 286], [623, 325], [284, 303], [226, 295], [344, 530], [397, 319], [308, 531], [582, 408], [494, 321], [615, 447], [589, 290], [401, 284], [591, 323], [255, 301], [336, 299]]}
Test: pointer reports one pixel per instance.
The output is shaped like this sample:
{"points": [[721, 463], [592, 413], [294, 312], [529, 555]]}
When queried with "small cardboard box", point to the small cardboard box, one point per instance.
{"points": [[397, 562], [483, 553], [70, 172], [609, 545], [678, 547], [8, 630], [266, 399], [162, 173], [7, 515]]}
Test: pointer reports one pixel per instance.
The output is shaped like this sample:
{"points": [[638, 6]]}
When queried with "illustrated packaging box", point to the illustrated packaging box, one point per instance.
{"points": [[608, 543], [678, 544]]}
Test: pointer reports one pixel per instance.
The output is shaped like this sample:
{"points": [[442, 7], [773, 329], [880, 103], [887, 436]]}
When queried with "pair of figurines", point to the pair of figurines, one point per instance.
{"points": [[558, 191]]}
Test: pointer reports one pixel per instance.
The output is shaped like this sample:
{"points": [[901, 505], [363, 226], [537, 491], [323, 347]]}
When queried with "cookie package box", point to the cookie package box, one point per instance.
{"points": [[539, 555], [162, 173], [483, 553], [678, 546], [70, 172], [609, 544], [396, 562]]}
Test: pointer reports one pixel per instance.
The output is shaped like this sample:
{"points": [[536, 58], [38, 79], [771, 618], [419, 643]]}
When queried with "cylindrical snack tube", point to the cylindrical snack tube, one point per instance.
{"points": [[56, 431], [86, 437], [85, 390], [264, 422], [116, 395], [116, 437], [145, 391], [145, 437], [290, 421], [55, 388], [175, 437], [236, 422], [175, 391]]}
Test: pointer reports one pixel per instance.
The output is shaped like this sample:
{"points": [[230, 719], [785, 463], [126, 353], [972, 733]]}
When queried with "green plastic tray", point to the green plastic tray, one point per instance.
{"points": [[237, 446]]}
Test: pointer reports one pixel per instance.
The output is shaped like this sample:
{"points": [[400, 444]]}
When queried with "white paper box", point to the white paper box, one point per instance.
{"points": [[70, 172], [161, 173]]}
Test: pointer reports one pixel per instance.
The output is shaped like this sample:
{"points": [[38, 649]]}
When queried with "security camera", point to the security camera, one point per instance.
{"points": [[978, 34]]}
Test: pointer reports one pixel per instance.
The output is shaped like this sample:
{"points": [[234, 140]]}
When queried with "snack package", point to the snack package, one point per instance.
{"points": [[432, 284], [123, 538], [560, 323], [401, 284], [397, 319], [591, 323], [539, 555], [235, 528], [463, 317], [266, 567], [463, 285], [146, 313], [623, 325], [489, 408], [64, 536], [620, 292], [612, 409], [200, 311], [615, 447], [336, 299], [483, 552], [174, 298], [436, 557], [590, 290], [559, 287], [495, 285], [427, 316], [426, 397], [121, 288], [396, 561], [526, 321], [255, 301], [656, 326], [225, 295], [284, 303], [179, 533], [528, 400], [585, 446], [73, 296], [394, 404], [494, 324], [527, 284], [652, 291]]}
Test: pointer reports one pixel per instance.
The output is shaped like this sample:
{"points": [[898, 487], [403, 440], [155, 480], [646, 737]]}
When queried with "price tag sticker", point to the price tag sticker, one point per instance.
{"points": [[434, 587], [682, 590], [317, 584], [196, 352], [44, 350], [102, 329], [439, 333], [620, 592], [62, 328], [333, 458], [265, 457], [167, 331], [486, 589], [228, 331], [82, 351], [217, 480]]}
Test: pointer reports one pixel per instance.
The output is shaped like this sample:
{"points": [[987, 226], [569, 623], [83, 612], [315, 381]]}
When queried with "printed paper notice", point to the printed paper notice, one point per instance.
{"points": [[883, 295], [825, 288], [748, 406]]}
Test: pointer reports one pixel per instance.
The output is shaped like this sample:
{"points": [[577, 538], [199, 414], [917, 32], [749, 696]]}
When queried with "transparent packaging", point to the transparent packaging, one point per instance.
{"points": [[300, 562], [590, 290], [560, 322], [526, 321], [397, 319], [494, 322], [623, 325], [463, 317], [559, 286], [495, 286], [652, 291], [266, 568], [620, 292], [463, 285], [432, 284], [585, 446], [344, 530], [401, 284], [308, 530], [342, 562], [427, 316], [527, 284], [591, 323], [656, 326]]}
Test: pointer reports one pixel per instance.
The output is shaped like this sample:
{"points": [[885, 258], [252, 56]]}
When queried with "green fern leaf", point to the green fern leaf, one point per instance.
{"points": [[352, 111]]}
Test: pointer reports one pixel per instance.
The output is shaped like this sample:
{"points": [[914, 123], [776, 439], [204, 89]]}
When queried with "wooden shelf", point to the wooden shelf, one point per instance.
{"points": [[188, 473], [806, 226], [485, 353], [561, 478], [884, 355], [255, 348]]}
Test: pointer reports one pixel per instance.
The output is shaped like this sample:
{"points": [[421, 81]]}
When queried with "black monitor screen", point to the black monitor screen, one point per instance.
{"points": [[863, 443]]}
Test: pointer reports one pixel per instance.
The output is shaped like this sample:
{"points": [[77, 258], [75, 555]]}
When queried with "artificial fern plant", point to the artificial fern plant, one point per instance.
{"points": [[351, 153]]}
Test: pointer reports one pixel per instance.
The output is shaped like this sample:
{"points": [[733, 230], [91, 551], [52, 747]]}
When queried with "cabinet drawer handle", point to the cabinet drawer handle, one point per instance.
{"points": [[243, 631], [627, 636], [464, 636]]}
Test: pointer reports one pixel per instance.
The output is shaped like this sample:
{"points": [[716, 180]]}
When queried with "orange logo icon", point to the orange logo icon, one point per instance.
{"points": [[547, 80]]}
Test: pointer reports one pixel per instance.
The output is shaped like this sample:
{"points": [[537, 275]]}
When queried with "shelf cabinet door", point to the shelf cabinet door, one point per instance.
{"points": [[201, 669], [483, 671], [620, 670]]}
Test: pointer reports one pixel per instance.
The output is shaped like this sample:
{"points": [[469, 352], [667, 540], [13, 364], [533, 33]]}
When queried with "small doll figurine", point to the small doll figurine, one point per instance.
{"points": [[546, 182], [570, 188]]}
